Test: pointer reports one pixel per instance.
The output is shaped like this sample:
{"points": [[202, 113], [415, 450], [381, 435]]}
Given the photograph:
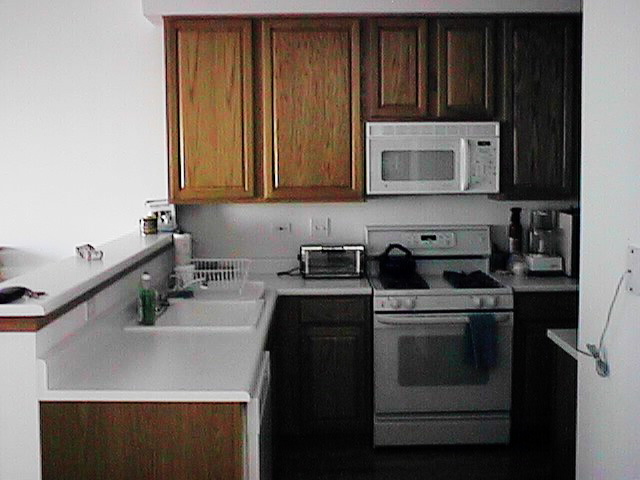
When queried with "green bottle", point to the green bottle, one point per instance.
{"points": [[146, 301]]}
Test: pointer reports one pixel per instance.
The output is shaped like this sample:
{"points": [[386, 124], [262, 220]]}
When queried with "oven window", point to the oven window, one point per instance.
{"points": [[425, 361], [418, 165]]}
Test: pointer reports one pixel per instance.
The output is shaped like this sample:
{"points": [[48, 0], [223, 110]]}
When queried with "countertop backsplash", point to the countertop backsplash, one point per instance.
{"points": [[238, 230]]}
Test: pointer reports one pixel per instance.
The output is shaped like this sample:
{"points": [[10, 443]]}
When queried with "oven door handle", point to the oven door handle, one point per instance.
{"points": [[429, 320]]}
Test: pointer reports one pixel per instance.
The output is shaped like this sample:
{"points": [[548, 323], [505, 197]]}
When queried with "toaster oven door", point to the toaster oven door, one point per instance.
{"points": [[327, 262]]}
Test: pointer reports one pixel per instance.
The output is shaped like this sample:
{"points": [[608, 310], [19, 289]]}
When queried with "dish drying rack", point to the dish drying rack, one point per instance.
{"points": [[221, 274]]}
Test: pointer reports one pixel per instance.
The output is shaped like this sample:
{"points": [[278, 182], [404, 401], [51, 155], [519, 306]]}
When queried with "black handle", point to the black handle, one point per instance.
{"points": [[397, 246]]}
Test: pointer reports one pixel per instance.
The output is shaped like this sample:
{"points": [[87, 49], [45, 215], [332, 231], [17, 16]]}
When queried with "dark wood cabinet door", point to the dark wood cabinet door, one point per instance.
{"points": [[533, 360], [209, 109], [322, 366], [540, 135], [466, 67], [397, 67], [310, 88], [140, 441], [333, 379]]}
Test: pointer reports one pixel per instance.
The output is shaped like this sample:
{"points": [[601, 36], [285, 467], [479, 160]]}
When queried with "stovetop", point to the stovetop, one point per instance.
{"points": [[475, 279], [414, 281]]}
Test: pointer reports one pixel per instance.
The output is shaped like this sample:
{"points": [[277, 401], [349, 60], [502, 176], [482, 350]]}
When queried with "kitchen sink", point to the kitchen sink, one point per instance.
{"points": [[251, 291], [194, 314]]}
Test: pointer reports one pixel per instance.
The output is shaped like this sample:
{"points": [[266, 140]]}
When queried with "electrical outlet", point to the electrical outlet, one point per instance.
{"points": [[283, 228], [319, 227], [633, 269]]}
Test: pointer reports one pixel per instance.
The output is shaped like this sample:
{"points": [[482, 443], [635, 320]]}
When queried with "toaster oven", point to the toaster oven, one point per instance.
{"points": [[332, 261]]}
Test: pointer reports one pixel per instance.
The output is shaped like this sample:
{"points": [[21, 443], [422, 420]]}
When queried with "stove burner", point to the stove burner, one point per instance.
{"points": [[404, 282], [477, 279]]}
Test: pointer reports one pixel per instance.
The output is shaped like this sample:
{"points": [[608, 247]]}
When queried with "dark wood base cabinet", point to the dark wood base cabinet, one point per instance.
{"points": [[533, 356], [142, 441], [565, 390], [322, 368]]}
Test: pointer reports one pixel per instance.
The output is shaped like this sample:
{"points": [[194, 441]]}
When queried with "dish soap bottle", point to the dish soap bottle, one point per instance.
{"points": [[146, 301]]}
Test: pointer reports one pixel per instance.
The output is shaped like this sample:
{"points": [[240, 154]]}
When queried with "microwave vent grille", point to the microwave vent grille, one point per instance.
{"points": [[488, 129]]}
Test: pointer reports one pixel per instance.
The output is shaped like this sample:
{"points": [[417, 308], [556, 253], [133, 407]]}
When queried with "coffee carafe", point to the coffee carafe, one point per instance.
{"points": [[542, 258], [542, 232]]}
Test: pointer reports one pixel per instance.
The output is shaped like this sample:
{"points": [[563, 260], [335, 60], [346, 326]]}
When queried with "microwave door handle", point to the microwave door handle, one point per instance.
{"points": [[464, 164]]}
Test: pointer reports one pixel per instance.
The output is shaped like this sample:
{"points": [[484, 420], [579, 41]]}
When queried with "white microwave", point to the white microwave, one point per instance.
{"points": [[410, 158]]}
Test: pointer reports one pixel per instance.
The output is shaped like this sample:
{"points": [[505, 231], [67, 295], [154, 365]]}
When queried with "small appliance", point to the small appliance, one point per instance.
{"points": [[432, 157], [542, 259], [332, 261], [569, 239]]}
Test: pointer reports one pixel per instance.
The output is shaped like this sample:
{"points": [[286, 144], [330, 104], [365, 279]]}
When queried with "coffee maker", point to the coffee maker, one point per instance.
{"points": [[542, 258]]}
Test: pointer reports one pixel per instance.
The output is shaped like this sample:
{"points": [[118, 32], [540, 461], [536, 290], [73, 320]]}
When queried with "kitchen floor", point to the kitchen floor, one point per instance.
{"points": [[342, 460]]}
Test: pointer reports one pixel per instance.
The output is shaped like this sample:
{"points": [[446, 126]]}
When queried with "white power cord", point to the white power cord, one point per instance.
{"points": [[602, 366]]}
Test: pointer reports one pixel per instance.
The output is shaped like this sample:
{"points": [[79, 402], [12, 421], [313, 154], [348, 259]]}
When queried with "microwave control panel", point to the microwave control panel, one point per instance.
{"points": [[484, 165]]}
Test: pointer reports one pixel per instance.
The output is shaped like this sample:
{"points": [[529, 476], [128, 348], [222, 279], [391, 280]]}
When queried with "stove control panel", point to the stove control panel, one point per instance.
{"points": [[435, 240], [470, 302]]}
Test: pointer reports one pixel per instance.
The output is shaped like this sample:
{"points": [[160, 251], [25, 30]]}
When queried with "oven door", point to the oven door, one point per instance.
{"points": [[422, 364], [417, 165]]}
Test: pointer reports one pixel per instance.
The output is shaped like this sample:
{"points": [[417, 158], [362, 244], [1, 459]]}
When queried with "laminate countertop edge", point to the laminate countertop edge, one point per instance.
{"points": [[566, 339]]}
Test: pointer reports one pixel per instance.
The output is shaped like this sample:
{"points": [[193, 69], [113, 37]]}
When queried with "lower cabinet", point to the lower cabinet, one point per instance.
{"points": [[322, 366], [533, 356], [131, 440], [565, 390]]}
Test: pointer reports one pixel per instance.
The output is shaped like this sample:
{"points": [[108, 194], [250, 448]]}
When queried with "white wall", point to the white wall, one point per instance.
{"points": [[82, 140], [609, 409], [246, 230]]}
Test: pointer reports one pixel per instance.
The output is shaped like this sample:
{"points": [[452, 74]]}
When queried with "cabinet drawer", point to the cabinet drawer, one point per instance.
{"points": [[333, 310], [547, 306]]}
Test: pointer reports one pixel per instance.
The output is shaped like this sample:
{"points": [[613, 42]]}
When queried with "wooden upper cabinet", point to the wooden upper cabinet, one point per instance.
{"points": [[310, 88], [540, 135], [465, 66], [397, 67], [209, 109]]}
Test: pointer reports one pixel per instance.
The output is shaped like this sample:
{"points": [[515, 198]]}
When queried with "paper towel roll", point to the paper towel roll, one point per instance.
{"points": [[182, 248]]}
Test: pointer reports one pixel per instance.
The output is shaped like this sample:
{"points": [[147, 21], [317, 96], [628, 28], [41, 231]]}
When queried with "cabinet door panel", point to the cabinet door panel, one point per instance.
{"points": [[332, 382], [129, 440], [209, 91], [466, 64], [540, 138], [311, 96], [397, 67], [532, 360]]}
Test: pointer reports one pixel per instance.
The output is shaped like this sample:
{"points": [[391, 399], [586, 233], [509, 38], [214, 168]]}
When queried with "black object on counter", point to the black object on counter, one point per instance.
{"points": [[477, 279], [397, 265], [515, 231], [11, 294]]}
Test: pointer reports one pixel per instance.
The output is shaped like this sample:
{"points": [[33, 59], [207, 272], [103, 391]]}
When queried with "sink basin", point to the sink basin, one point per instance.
{"points": [[250, 292], [192, 314]]}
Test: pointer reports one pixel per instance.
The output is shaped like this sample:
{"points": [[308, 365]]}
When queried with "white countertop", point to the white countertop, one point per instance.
{"points": [[566, 339], [104, 362], [523, 283], [296, 285], [70, 278]]}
